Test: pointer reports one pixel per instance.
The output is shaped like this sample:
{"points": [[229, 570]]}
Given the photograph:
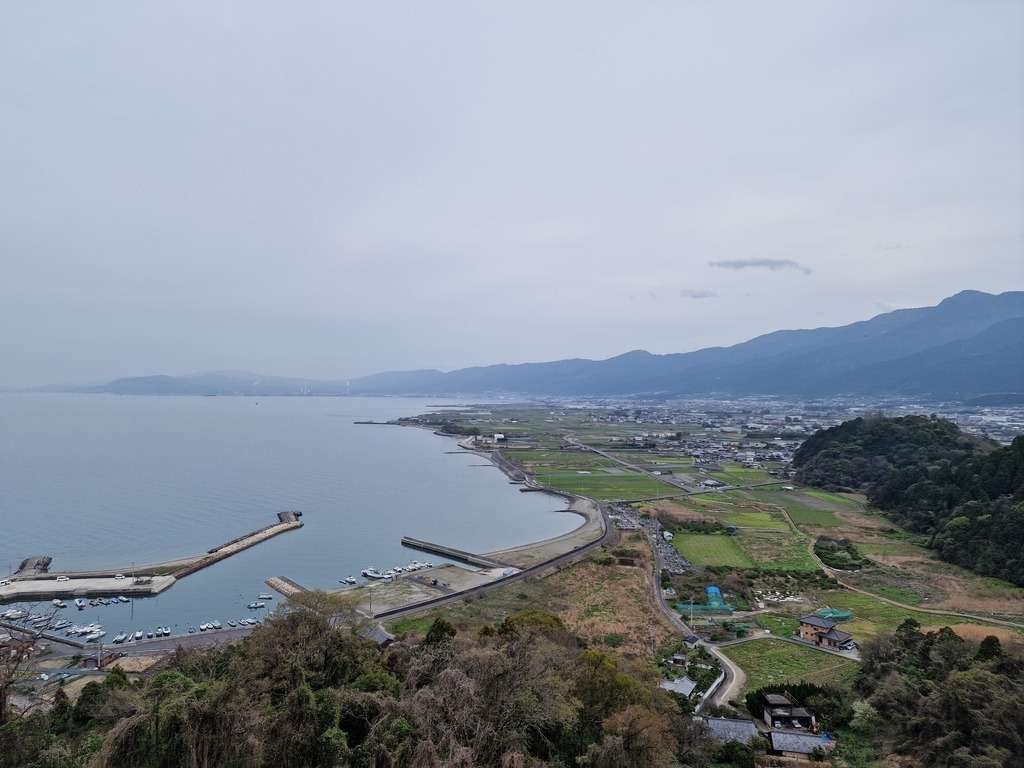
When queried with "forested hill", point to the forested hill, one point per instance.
{"points": [[963, 493], [858, 453], [972, 508]]}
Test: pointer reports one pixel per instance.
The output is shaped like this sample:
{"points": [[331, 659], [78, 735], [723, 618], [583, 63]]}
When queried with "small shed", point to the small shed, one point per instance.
{"points": [[100, 659], [377, 634]]}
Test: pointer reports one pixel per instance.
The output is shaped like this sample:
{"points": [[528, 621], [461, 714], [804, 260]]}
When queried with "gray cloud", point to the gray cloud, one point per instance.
{"points": [[294, 190], [772, 264]]}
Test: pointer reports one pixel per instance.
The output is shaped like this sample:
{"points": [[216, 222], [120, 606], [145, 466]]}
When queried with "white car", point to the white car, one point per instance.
{"points": [[63, 578], [118, 575]]}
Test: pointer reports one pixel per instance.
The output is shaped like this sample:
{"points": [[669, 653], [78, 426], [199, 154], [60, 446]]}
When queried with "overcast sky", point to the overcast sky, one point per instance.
{"points": [[333, 189]]}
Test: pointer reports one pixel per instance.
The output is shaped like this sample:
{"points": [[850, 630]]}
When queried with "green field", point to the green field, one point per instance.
{"points": [[804, 512], [736, 474], [602, 485], [702, 549], [774, 661], [778, 551], [745, 519], [558, 459]]}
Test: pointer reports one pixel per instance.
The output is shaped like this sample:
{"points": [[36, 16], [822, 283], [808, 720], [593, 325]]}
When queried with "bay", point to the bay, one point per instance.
{"points": [[106, 481]]}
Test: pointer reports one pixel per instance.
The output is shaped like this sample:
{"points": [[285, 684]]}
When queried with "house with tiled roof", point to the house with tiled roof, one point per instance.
{"points": [[684, 686], [723, 730], [819, 631], [799, 746]]}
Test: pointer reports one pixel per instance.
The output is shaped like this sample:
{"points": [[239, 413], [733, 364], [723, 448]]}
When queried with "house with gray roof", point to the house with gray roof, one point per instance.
{"points": [[723, 730], [798, 745], [819, 631], [684, 686]]}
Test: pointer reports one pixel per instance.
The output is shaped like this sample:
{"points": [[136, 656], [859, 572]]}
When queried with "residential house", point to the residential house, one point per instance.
{"points": [[782, 711], [819, 631], [723, 730], [684, 686], [799, 746]]}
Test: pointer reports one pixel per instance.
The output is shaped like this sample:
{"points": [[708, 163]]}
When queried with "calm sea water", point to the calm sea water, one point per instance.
{"points": [[98, 481]]}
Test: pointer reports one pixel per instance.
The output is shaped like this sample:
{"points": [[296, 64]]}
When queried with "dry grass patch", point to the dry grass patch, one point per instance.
{"points": [[978, 633], [599, 603]]}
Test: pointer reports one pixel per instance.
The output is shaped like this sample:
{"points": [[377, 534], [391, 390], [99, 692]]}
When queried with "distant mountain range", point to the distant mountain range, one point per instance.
{"points": [[970, 345]]}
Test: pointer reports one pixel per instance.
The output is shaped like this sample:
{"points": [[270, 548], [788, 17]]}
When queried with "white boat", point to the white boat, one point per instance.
{"points": [[232, 623], [256, 606], [349, 580], [216, 624], [80, 603], [93, 637], [138, 635], [373, 573], [121, 637], [203, 627], [59, 604], [265, 597]]}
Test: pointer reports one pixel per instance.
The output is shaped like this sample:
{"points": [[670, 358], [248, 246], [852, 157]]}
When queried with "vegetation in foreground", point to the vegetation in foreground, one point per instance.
{"points": [[299, 692]]}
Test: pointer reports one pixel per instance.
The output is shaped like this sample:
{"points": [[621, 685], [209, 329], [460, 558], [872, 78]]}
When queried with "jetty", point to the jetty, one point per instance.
{"points": [[34, 581], [455, 554], [285, 586]]}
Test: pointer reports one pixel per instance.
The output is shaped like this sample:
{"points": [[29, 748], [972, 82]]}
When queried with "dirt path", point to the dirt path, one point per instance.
{"points": [[932, 611]]}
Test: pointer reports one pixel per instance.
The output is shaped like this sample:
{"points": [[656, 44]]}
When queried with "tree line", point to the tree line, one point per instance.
{"points": [[299, 692], [965, 495]]}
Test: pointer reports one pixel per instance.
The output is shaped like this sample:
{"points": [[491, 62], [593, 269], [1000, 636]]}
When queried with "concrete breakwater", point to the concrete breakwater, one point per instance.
{"points": [[33, 580], [455, 554]]}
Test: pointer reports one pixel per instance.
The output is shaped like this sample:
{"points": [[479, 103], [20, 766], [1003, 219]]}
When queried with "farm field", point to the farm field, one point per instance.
{"points": [[778, 551], [604, 486], [560, 459], [762, 520], [775, 661], [736, 474], [706, 550], [801, 509]]}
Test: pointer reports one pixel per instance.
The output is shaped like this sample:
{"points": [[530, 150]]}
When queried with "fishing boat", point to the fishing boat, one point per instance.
{"points": [[216, 624], [373, 573], [138, 635], [265, 597], [80, 603], [348, 580], [120, 637], [256, 606]]}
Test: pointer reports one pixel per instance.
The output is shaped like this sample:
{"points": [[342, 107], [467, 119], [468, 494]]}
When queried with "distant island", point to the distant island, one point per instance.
{"points": [[969, 346]]}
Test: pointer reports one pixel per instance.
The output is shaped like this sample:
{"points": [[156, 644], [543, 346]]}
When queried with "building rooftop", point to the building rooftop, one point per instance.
{"points": [[804, 743], [724, 730]]}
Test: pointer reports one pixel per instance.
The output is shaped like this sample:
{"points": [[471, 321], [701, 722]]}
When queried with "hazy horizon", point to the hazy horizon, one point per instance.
{"points": [[330, 191]]}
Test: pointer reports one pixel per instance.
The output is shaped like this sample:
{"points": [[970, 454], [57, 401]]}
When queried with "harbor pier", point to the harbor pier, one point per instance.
{"points": [[455, 554], [34, 581]]}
